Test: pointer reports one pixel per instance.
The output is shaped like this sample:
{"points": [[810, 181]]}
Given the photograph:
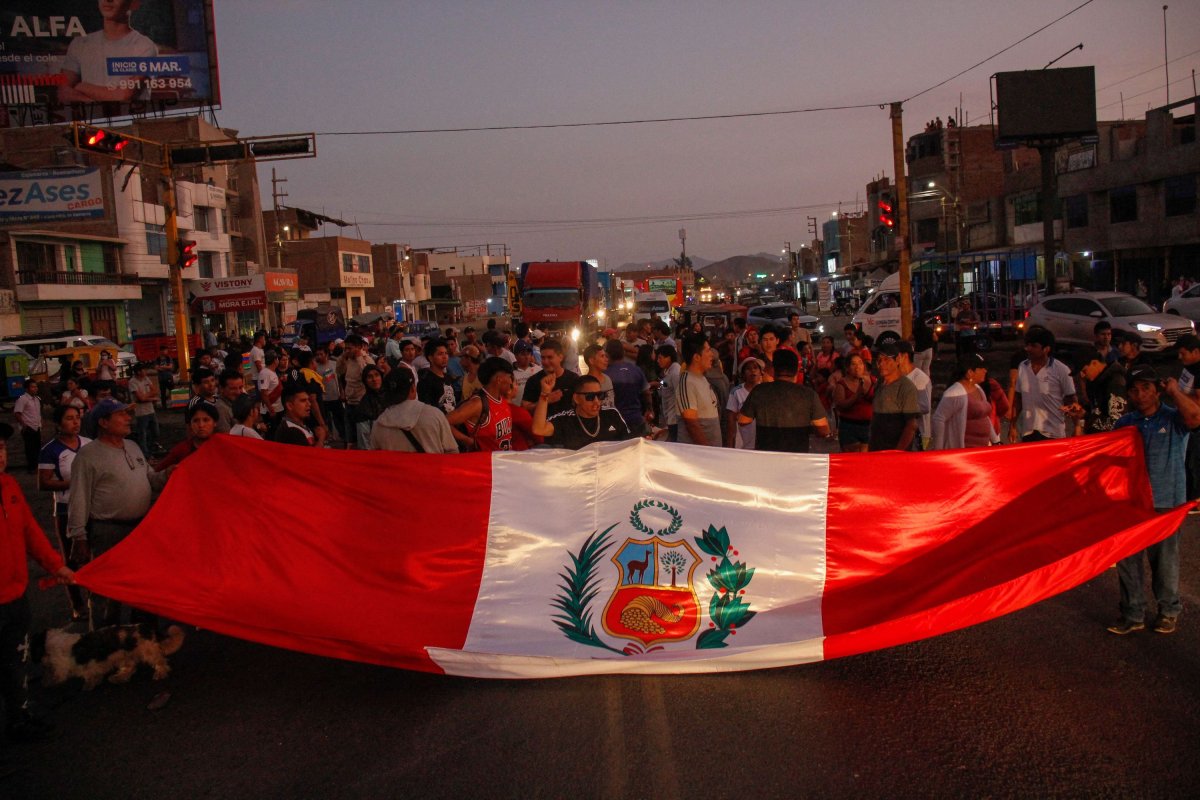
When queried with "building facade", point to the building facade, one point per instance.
{"points": [[100, 266]]}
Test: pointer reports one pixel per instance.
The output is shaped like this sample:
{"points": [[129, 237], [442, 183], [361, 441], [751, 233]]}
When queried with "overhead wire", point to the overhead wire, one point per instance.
{"points": [[1000, 52], [616, 222]]}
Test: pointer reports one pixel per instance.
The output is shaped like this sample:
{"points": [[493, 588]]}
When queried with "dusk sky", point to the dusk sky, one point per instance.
{"points": [[621, 193]]}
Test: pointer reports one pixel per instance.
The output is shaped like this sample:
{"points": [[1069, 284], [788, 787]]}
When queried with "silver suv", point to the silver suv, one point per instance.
{"points": [[1072, 319]]}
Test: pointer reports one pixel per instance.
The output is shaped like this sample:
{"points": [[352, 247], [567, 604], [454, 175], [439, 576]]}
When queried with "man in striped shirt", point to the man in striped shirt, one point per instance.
{"points": [[699, 413]]}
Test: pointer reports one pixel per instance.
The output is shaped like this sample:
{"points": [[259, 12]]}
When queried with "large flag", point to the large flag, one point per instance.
{"points": [[634, 557]]}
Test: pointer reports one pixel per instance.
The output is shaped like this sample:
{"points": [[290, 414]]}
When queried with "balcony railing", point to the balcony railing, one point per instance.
{"points": [[75, 278]]}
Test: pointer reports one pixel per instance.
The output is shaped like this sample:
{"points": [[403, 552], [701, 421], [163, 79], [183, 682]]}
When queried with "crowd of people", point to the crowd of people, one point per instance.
{"points": [[749, 388]]}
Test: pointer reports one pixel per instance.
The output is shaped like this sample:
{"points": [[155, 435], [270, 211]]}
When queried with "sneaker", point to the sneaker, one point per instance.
{"points": [[1124, 626], [1164, 624]]}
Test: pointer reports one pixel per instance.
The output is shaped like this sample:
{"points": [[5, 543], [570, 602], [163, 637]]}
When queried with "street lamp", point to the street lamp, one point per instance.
{"points": [[933, 191]]}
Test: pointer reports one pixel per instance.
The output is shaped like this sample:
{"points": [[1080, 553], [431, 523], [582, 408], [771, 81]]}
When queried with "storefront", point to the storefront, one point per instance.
{"points": [[231, 304]]}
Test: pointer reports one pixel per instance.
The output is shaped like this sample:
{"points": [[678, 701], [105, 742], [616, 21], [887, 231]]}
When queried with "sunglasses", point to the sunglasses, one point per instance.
{"points": [[590, 395]]}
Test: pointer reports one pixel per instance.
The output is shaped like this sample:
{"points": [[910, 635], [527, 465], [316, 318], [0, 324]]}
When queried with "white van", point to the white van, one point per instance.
{"points": [[880, 315], [652, 306]]}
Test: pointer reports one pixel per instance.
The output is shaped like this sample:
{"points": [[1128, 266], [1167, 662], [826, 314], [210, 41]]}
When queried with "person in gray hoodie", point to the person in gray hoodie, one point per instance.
{"points": [[408, 425]]}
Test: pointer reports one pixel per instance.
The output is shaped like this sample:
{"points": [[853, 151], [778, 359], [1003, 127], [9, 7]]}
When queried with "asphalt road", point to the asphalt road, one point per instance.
{"points": [[1041, 702]]}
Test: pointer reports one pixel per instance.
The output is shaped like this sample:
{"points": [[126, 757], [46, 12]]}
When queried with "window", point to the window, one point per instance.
{"points": [[1027, 209], [1077, 211], [364, 264], [36, 257], [1180, 195], [205, 262], [156, 240], [927, 230], [1126, 306], [1122, 204], [347, 262], [200, 215]]}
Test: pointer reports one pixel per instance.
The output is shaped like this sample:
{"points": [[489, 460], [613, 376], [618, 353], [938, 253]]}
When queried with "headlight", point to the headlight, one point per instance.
{"points": [[1147, 328], [600, 313], [574, 334]]}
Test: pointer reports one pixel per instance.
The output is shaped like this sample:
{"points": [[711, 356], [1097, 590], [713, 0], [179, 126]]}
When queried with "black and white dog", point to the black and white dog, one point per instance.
{"points": [[117, 649]]}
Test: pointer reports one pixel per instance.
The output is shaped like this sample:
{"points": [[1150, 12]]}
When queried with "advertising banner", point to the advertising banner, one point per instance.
{"points": [[284, 284], [218, 295], [50, 195], [63, 60]]}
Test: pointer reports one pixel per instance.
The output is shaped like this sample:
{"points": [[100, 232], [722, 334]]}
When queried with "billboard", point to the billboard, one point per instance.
{"points": [[63, 60], [217, 295], [51, 195], [1045, 104]]}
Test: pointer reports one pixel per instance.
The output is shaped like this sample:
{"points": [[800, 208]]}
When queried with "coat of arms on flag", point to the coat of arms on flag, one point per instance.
{"points": [[655, 600]]}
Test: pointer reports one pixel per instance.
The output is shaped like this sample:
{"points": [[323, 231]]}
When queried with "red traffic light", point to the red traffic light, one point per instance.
{"points": [[187, 253], [885, 212], [101, 141]]}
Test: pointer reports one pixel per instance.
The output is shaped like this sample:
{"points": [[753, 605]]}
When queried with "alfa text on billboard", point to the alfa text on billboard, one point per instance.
{"points": [[63, 60]]}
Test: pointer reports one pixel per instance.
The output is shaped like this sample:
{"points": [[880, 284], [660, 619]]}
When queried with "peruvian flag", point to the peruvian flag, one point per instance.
{"points": [[637, 557]]}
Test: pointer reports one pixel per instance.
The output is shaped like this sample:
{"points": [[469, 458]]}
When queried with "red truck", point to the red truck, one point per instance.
{"points": [[558, 295]]}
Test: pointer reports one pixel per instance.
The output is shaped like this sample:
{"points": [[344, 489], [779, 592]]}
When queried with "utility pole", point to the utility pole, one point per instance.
{"points": [[103, 141], [902, 242]]}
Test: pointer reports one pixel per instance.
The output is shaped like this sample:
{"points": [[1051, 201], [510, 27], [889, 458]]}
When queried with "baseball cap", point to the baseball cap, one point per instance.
{"points": [[201, 405], [887, 349], [1142, 372], [750, 360], [107, 407], [522, 347], [536, 335]]}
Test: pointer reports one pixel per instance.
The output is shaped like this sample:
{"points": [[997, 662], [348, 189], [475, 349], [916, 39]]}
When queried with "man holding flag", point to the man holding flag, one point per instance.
{"points": [[1164, 431]]}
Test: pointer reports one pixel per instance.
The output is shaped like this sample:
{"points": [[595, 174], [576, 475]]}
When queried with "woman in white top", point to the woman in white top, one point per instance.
{"points": [[245, 416]]}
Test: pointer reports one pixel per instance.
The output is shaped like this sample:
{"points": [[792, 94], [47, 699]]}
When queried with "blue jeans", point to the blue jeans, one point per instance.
{"points": [[146, 432], [1164, 580]]}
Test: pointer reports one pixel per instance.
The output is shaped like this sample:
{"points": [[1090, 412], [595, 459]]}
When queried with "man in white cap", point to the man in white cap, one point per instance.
{"points": [[111, 487]]}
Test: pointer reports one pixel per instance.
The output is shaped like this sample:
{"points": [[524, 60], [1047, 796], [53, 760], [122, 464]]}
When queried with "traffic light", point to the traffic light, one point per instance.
{"points": [[887, 217], [99, 140], [187, 253]]}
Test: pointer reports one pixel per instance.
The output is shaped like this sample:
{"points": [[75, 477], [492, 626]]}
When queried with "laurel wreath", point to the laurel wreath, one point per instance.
{"points": [[579, 588], [635, 518], [727, 610]]}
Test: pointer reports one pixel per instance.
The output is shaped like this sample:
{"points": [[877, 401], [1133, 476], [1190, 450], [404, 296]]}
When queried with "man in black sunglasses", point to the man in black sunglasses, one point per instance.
{"points": [[587, 422]]}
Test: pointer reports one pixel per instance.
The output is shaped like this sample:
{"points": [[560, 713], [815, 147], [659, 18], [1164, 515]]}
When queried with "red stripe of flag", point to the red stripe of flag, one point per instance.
{"points": [[363, 556], [916, 552]]}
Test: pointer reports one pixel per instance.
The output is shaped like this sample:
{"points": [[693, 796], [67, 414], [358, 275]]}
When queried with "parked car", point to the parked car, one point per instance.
{"points": [[777, 314], [1072, 319], [1186, 305]]}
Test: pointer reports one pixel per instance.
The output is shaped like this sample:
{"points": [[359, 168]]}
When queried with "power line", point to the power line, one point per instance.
{"points": [[1001, 52], [741, 115], [1158, 88], [698, 117], [1155, 68], [555, 225]]}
